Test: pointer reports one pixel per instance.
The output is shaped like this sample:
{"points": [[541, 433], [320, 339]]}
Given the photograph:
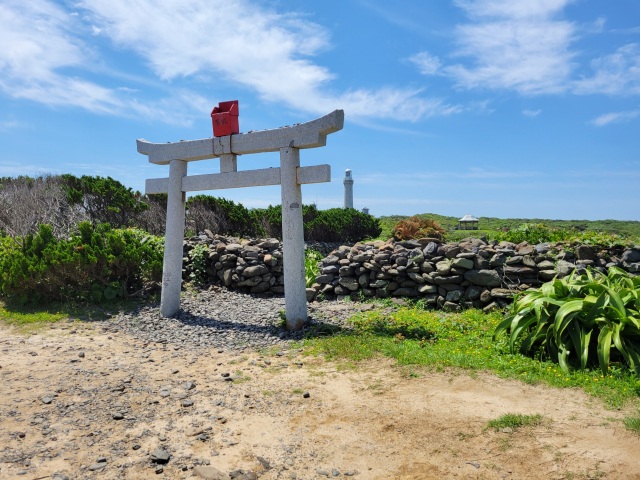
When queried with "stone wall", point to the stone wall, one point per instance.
{"points": [[471, 273]]}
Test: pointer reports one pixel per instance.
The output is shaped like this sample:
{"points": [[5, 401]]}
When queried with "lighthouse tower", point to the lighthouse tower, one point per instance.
{"points": [[348, 189]]}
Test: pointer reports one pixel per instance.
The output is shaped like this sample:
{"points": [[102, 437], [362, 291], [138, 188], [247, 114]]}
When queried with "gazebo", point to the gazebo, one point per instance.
{"points": [[468, 222]]}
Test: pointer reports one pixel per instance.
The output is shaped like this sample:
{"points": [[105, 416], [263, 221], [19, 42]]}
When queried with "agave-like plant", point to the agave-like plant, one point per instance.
{"points": [[569, 319]]}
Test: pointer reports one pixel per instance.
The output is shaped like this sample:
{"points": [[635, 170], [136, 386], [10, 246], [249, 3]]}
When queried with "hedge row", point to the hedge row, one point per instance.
{"points": [[25, 204]]}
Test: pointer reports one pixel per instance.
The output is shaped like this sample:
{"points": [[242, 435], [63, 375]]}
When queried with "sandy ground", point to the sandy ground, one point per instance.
{"points": [[80, 402]]}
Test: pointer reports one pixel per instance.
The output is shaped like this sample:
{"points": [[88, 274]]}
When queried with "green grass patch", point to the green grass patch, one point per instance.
{"points": [[28, 316], [41, 314], [437, 340], [633, 424], [515, 421]]}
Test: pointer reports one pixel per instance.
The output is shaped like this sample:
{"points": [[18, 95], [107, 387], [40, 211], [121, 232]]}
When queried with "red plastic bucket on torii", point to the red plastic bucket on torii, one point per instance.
{"points": [[225, 118]]}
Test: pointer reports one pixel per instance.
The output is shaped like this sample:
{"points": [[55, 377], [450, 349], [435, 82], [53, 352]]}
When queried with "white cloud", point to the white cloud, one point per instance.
{"points": [[38, 43], [528, 9], [53, 57], [614, 74], [531, 113], [41, 47], [615, 117], [246, 44], [514, 45], [427, 64]]}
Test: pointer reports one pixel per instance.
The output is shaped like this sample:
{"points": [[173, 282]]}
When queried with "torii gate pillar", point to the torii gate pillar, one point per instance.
{"points": [[290, 176], [173, 239], [295, 295]]}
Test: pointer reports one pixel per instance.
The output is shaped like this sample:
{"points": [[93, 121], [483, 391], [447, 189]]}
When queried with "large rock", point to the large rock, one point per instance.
{"points": [[427, 289], [325, 278], [564, 268], [631, 256], [483, 278], [443, 267], [350, 283], [463, 263], [454, 295], [473, 292], [502, 293], [585, 252], [405, 292], [431, 249]]}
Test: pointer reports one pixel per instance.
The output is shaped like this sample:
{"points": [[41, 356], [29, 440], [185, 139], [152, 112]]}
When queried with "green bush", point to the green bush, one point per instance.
{"points": [[95, 263], [342, 225], [574, 319], [333, 225], [533, 233], [198, 264], [221, 216], [105, 200], [270, 219], [312, 260]]}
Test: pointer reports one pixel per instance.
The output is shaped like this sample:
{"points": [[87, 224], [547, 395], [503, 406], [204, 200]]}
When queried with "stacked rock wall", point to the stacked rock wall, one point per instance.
{"points": [[471, 273], [253, 266]]}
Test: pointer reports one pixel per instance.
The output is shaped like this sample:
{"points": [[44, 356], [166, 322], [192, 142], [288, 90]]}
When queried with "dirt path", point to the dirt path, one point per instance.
{"points": [[80, 403]]}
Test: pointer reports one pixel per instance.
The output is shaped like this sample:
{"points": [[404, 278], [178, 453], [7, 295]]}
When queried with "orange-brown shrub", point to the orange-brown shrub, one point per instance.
{"points": [[416, 227]]}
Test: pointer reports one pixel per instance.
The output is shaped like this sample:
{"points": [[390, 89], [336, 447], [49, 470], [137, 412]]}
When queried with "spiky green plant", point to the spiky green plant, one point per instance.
{"points": [[568, 320]]}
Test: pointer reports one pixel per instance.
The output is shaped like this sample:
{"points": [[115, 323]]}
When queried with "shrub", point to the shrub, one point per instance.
{"points": [[95, 263], [311, 266], [416, 227], [342, 225], [534, 233], [569, 320], [105, 200], [270, 219], [154, 218], [221, 216], [27, 202], [198, 264]]}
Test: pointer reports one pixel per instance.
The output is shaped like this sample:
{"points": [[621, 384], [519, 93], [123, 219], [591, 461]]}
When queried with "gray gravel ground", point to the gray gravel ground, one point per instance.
{"points": [[225, 319]]}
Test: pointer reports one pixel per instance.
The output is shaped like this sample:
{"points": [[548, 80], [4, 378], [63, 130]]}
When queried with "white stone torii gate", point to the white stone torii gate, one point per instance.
{"points": [[288, 141]]}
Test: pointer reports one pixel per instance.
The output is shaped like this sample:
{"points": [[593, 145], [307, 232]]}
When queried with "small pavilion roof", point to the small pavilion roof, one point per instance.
{"points": [[468, 218]]}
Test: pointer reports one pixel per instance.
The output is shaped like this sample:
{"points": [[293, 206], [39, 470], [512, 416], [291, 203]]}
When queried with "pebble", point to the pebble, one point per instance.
{"points": [[160, 455], [209, 473]]}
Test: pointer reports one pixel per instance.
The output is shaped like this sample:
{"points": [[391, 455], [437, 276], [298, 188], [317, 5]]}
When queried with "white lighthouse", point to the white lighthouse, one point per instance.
{"points": [[348, 189]]}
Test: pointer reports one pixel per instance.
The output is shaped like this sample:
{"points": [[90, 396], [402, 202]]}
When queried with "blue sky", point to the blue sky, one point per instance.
{"points": [[502, 108]]}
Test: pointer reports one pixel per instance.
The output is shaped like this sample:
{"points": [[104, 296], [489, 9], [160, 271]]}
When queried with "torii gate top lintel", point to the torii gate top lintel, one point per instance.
{"points": [[304, 135]]}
